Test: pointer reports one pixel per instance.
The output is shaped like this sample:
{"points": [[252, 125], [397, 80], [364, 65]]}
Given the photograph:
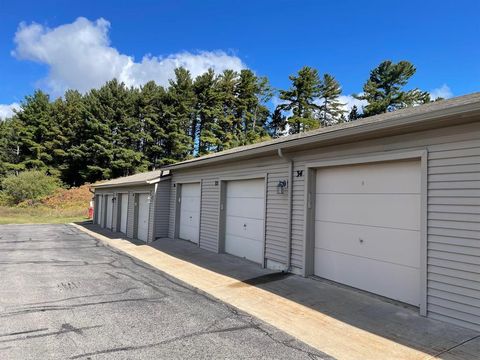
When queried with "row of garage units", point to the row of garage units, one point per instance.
{"points": [[366, 221], [395, 215], [394, 221], [242, 217], [137, 212]]}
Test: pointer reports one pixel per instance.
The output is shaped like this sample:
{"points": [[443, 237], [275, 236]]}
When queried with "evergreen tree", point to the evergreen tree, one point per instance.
{"points": [[251, 113], [36, 133], [208, 109], [353, 115], [383, 89], [277, 125], [151, 104], [182, 124], [331, 109], [227, 88], [301, 99]]}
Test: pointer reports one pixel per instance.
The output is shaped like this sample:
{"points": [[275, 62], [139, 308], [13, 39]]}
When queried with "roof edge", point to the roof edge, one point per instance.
{"points": [[340, 133]]}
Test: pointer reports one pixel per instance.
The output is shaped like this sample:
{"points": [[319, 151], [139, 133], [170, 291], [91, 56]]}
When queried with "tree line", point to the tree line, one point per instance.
{"points": [[118, 130]]}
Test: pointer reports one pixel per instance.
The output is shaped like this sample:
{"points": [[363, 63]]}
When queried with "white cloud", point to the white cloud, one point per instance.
{"points": [[79, 56], [350, 101], [6, 110], [443, 91]]}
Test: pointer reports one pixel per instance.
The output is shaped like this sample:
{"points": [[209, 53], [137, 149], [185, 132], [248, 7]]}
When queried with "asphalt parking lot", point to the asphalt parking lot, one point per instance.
{"points": [[63, 295]]}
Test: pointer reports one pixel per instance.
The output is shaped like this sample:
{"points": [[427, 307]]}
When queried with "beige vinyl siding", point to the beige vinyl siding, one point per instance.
{"points": [[172, 211], [209, 210], [453, 286], [96, 215], [272, 167], [162, 209], [276, 235], [453, 205]]}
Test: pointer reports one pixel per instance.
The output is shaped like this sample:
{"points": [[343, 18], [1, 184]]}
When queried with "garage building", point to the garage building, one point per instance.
{"points": [[389, 204], [136, 205]]}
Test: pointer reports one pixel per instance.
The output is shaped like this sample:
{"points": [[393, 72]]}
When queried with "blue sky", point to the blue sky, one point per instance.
{"points": [[274, 38]]}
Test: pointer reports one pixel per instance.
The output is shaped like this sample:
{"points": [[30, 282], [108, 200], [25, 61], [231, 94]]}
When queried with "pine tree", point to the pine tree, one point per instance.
{"points": [[383, 89], [251, 113], [151, 104], [208, 109], [277, 125], [353, 115], [36, 132], [227, 88], [180, 116], [331, 109], [301, 99]]}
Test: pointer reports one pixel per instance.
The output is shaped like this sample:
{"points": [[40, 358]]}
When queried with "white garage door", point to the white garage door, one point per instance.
{"points": [[143, 216], [100, 210], [367, 228], [190, 212], [123, 212], [244, 222], [109, 207]]}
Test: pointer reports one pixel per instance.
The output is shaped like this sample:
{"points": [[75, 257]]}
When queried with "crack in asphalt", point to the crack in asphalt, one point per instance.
{"points": [[65, 329], [164, 342], [69, 307], [123, 292], [22, 332]]}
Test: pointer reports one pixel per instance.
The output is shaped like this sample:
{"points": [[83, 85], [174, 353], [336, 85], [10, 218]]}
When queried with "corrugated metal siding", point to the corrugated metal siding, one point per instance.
{"points": [[272, 167], [453, 287], [162, 209]]}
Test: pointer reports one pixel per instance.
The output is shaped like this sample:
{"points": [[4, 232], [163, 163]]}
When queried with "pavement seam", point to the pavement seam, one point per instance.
{"points": [[454, 347]]}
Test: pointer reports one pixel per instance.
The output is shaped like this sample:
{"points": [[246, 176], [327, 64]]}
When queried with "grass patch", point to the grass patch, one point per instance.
{"points": [[40, 215], [64, 206]]}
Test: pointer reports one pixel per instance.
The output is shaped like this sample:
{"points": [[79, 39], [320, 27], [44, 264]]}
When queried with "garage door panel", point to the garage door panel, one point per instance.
{"points": [[189, 232], [190, 203], [243, 247], [398, 177], [124, 212], [244, 220], [143, 216], [382, 244], [246, 188], [370, 209], [367, 227], [190, 212], [245, 207], [248, 228], [398, 282], [191, 190], [189, 218]]}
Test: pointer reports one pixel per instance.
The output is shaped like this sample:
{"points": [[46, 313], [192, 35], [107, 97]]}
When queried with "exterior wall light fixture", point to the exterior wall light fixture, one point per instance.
{"points": [[281, 186]]}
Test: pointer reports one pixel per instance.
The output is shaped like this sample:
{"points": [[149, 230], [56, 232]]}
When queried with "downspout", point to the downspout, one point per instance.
{"points": [[290, 205]]}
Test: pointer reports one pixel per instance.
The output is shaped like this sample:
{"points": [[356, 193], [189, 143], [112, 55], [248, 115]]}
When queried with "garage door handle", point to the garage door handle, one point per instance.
{"points": [[245, 226], [360, 240]]}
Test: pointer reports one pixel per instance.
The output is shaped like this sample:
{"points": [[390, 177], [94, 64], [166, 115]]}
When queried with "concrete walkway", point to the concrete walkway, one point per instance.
{"points": [[339, 321]]}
